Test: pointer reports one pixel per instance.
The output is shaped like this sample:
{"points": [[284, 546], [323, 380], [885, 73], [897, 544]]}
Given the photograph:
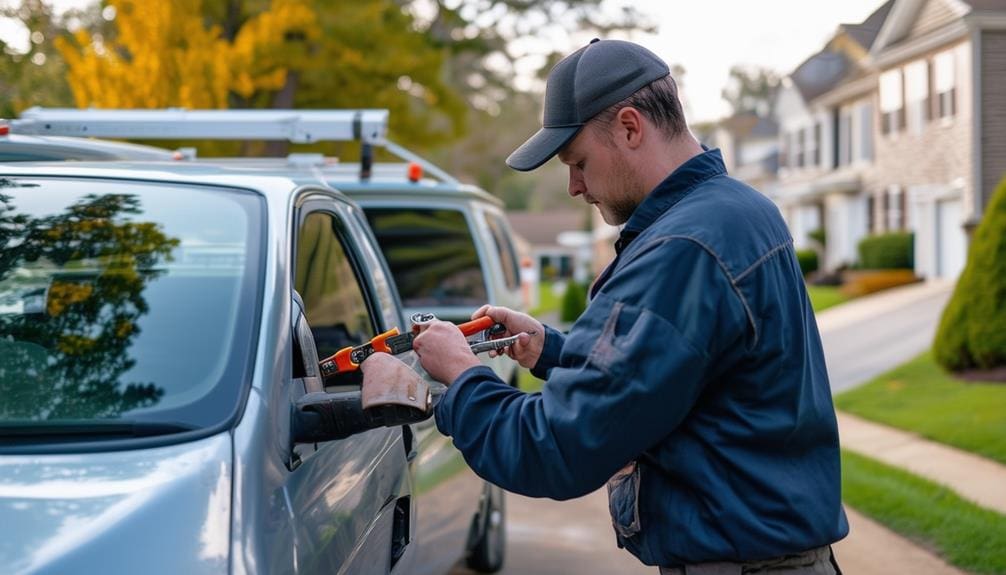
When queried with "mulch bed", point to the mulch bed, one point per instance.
{"points": [[996, 375]]}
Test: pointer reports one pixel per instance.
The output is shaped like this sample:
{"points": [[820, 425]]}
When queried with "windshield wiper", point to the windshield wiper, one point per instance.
{"points": [[90, 428]]}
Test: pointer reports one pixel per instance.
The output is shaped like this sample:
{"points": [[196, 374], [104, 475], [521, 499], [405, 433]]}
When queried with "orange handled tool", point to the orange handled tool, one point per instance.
{"points": [[393, 342]]}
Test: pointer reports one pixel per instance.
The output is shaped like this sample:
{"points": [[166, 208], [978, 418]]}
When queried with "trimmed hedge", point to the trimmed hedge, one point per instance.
{"points": [[972, 332], [574, 301], [808, 261], [887, 251]]}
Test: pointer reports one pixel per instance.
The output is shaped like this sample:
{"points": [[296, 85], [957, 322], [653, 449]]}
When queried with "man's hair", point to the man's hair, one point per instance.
{"points": [[657, 101]]}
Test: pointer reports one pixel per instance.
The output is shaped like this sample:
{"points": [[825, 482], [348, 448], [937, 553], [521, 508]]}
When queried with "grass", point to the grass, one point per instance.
{"points": [[967, 535], [548, 301], [919, 396], [823, 297], [527, 382]]}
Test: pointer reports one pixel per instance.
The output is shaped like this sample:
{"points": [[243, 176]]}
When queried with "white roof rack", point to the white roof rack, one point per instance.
{"points": [[298, 126], [368, 126]]}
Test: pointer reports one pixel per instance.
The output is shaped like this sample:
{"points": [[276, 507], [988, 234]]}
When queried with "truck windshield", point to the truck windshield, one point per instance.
{"points": [[126, 304], [431, 255]]}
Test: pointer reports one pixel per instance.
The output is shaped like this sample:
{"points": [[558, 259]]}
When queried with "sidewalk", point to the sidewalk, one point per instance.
{"points": [[872, 549], [975, 478], [864, 308]]}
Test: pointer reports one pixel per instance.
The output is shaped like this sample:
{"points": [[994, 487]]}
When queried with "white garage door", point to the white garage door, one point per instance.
{"points": [[951, 243]]}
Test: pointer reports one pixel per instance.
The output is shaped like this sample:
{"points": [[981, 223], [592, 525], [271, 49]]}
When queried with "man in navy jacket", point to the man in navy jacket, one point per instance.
{"points": [[694, 385]]}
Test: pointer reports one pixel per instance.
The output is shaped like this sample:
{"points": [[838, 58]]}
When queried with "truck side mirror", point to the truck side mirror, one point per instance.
{"points": [[321, 416]]}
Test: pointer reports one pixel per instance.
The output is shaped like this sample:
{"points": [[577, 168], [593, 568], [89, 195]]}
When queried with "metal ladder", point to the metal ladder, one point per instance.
{"points": [[367, 126]]}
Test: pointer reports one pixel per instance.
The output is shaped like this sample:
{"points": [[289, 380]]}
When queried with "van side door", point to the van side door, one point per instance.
{"points": [[351, 498]]}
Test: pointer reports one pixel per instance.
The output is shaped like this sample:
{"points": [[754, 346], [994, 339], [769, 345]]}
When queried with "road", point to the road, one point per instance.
{"points": [[875, 335], [861, 341]]}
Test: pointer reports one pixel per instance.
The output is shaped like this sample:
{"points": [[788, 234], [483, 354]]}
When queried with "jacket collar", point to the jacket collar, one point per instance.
{"points": [[671, 191]]}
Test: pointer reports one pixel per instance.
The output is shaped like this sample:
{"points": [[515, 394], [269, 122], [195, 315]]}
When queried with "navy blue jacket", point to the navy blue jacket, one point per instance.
{"points": [[695, 382]]}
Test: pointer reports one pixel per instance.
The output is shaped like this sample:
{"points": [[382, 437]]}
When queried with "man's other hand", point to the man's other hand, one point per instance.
{"points": [[527, 349], [444, 351]]}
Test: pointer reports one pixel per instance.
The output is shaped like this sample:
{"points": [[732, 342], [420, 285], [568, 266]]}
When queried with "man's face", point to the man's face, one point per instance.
{"points": [[599, 172]]}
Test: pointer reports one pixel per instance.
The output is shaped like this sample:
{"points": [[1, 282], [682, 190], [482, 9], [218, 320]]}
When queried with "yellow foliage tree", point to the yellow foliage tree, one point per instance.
{"points": [[164, 55]]}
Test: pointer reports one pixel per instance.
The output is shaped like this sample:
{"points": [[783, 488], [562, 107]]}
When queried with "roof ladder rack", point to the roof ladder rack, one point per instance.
{"points": [[367, 126]]}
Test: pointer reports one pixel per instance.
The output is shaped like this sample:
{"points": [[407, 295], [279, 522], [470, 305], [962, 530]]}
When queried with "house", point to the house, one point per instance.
{"points": [[941, 147], [557, 242], [750, 147], [825, 109], [897, 124]]}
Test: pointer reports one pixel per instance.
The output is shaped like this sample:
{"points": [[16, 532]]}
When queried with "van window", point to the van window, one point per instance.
{"points": [[124, 300], [508, 256], [431, 255], [334, 300]]}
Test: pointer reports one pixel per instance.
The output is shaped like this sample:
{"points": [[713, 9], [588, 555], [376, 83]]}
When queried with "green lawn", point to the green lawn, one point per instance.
{"points": [[527, 382], [967, 535], [548, 301], [921, 397], [823, 297]]}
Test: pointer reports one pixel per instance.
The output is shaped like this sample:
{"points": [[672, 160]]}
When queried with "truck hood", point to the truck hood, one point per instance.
{"points": [[159, 510]]}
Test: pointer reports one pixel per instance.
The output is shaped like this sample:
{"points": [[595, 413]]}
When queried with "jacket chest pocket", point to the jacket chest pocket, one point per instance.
{"points": [[623, 501]]}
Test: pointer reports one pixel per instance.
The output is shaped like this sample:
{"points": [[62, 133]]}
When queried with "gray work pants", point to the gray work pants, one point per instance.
{"points": [[818, 561]]}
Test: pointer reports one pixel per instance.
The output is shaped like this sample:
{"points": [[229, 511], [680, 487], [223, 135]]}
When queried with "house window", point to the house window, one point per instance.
{"points": [[800, 147], [817, 144], [871, 215], [916, 96], [845, 138], [891, 102], [865, 132], [784, 151], [945, 84], [894, 204]]}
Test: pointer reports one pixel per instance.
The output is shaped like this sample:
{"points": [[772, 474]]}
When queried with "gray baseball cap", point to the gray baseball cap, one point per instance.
{"points": [[599, 75]]}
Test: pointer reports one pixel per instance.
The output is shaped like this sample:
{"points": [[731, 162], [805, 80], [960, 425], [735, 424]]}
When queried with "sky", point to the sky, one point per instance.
{"points": [[706, 37]]}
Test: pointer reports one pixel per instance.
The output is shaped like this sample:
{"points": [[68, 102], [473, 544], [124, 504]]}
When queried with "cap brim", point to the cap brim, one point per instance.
{"points": [[540, 147]]}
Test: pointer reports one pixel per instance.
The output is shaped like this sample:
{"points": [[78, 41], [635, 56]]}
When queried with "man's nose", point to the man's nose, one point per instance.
{"points": [[576, 185]]}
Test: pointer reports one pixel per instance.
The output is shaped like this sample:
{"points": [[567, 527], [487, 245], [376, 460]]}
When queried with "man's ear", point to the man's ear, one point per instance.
{"points": [[629, 127]]}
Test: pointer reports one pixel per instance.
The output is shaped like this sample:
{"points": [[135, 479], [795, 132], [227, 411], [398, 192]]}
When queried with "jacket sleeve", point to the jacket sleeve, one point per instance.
{"points": [[628, 374], [550, 353]]}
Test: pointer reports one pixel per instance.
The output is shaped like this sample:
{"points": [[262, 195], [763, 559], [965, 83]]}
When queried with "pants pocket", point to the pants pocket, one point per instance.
{"points": [[623, 500]]}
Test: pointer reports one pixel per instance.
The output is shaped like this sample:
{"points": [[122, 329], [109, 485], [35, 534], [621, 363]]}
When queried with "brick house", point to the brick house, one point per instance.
{"points": [[826, 113], [941, 144], [899, 123]]}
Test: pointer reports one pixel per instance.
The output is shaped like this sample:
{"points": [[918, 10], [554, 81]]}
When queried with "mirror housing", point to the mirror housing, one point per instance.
{"points": [[322, 416]]}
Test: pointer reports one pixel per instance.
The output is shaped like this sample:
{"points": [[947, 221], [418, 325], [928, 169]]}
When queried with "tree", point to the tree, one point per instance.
{"points": [[35, 74], [972, 331], [752, 90]]}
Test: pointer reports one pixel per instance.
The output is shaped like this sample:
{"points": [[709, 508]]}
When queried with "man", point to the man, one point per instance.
{"points": [[694, 384]]}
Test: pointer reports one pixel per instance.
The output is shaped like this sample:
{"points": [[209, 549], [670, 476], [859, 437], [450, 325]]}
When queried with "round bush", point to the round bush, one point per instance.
{"points": [[808, 261], [972, 332], [887, 251], [574, 301]]}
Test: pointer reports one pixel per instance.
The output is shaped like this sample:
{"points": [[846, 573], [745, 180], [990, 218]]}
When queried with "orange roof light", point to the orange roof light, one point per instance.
{"points": [[415, 172]]}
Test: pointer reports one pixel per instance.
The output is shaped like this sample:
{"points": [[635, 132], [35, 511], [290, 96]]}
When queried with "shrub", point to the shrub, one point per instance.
{"points": [[972, 332], [819, 236], [808, 261], [887, 251], [574, 301]]}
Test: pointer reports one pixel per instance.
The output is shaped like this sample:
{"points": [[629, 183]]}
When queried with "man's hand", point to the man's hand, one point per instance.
{"points": [[527, 349], [444, 351]]}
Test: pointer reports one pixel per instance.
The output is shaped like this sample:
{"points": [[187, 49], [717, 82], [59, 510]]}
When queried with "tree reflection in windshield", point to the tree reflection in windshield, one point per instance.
{"points": [[79, 277]]}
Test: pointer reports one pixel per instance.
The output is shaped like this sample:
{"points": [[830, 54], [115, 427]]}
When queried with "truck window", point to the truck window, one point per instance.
{"points": [[431, 255]]}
